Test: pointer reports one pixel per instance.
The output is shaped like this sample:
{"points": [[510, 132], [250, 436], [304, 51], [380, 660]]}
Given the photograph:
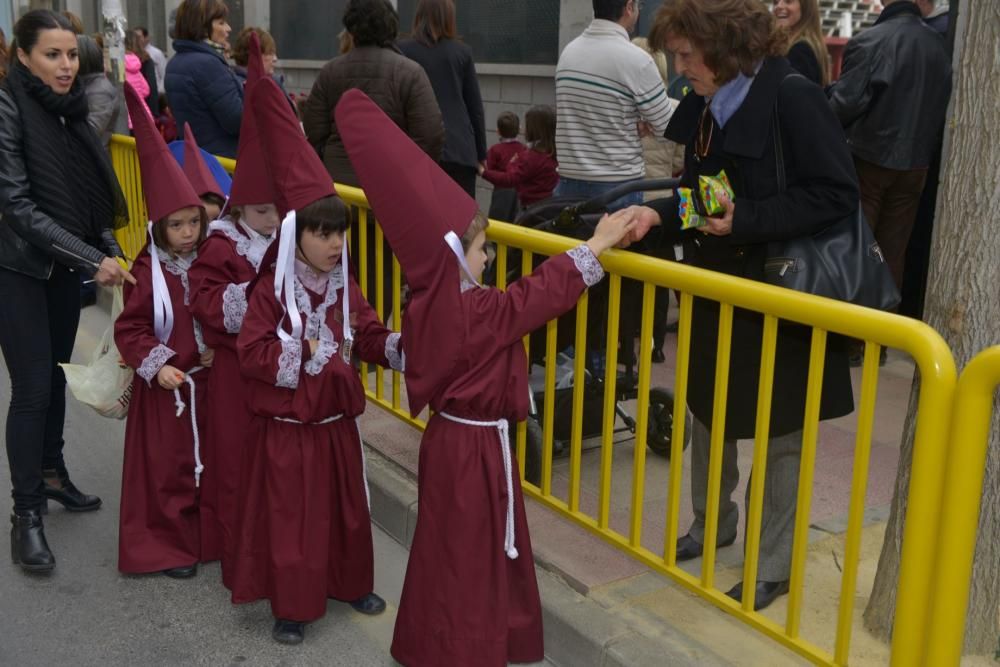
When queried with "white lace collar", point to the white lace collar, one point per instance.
{"points": [[250, 245]]}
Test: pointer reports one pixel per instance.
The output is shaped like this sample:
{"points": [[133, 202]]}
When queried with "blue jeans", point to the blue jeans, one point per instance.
{"points": [[571, 187]]}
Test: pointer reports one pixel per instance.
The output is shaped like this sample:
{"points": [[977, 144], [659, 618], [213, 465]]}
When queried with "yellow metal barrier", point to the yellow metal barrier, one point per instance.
{"points": [[974, 401], [925, 346]]}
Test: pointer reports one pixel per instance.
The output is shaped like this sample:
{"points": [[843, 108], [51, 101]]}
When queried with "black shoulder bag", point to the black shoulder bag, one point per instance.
{"points": [[842, 261]]}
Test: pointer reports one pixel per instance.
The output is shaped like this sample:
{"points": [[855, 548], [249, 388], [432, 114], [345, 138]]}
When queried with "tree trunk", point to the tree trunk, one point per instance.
{"points": [[962, 304]]}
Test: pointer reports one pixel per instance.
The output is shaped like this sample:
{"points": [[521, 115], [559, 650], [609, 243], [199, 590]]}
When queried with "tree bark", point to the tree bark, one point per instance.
{"points": [[962, 304]]}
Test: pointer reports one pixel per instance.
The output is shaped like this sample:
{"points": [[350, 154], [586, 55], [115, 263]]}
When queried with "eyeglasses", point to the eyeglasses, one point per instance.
{"points": [[703, 140]]}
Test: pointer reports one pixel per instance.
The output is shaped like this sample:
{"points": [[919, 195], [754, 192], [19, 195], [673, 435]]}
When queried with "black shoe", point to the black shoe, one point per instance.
{"points": [[688, 548], [288, 632], [658, 357], [765, 593], [370, 604], [28, 547], [71, 497], [185, 572]]}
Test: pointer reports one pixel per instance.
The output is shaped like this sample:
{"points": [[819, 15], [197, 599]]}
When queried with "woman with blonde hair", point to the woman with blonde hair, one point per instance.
{"points": [[806, 47]]}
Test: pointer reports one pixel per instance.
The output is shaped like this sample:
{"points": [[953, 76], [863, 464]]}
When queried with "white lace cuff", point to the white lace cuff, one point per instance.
{"points": [[392, 353], [324, 351], [587, 264], [153, 362], [289, 363], [234, 306]]}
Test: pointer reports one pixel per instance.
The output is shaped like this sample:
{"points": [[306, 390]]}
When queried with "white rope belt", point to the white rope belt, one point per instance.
{"points": [[330, 420], [503, 428], [179, 402]]}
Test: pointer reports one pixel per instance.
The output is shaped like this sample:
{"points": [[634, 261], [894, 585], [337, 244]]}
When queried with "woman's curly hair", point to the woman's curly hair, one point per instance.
{"points": [[732, 35], [371, 22]]}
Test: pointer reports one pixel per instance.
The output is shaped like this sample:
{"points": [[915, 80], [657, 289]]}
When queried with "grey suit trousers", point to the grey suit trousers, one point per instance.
{"points": [[781, 485]]}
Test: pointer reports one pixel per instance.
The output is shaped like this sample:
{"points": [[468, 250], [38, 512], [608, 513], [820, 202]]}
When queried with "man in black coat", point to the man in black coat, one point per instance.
{"points": [[891, 99]]}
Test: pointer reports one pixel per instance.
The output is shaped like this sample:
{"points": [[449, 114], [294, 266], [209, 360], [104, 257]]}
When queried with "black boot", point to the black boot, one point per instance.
{"points": [[288, 632], [66, 493], [28, 547]]}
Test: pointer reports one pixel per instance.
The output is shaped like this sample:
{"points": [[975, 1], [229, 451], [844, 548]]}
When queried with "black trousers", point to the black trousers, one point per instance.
{"points": [[39, 321], [462, 174]]}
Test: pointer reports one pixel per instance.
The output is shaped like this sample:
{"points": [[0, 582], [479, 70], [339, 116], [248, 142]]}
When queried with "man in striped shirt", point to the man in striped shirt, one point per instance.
{"points": [[608, 92]]}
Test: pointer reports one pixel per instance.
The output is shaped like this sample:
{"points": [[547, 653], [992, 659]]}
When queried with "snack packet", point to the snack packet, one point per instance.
{"points": [[710, 188]]}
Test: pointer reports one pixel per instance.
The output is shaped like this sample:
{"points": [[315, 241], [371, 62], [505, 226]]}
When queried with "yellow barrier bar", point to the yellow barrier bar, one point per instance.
{"points": [[579, 383], [970, 437], [548, 427], [610, 387], [716, 448], [379, 301], [522, 428], [362, 264], [761, 439], [678, 436], [642, 418], [501, 266], [856, 513], [397, 325], [921, 530], [807, 466], [362, 261]]}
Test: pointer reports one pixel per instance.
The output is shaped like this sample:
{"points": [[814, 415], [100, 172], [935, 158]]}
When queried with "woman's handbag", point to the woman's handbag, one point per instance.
{"points": [[842, 261], [104, 384]]}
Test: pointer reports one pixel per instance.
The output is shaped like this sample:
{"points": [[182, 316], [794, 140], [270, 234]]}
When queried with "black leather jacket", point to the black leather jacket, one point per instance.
{"points": [[30, 241], [893, 90]]}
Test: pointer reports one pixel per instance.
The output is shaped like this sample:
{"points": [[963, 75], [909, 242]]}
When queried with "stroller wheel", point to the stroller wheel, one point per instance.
{"points": [[660, 432]]}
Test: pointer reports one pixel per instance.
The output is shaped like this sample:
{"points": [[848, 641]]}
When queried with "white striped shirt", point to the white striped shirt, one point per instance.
{"points": [[604, 86]]}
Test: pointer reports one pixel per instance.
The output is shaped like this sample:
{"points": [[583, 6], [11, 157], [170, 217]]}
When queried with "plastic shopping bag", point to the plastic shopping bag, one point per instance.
{"points": [[104, 384]]}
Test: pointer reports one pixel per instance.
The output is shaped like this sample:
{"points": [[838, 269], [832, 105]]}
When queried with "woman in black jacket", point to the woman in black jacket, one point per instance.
{"points": [[60, 200], [742, 88], [449, 66]]}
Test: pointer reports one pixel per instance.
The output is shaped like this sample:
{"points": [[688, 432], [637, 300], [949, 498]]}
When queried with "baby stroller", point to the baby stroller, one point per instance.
{"points": [[577, 219]]}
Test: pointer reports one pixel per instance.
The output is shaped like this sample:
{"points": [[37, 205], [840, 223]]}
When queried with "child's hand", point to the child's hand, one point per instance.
{"points": [[610, 230], [313, 345], [645, 218], [170, 378], [207, 357]]}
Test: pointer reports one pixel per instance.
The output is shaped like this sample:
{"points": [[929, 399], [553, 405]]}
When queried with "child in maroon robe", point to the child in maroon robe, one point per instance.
{"points": [[470, 595], [157, 336], [305, 530], [227, 262]]}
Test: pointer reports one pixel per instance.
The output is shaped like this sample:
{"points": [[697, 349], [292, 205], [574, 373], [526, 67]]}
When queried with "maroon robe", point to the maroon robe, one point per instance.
{"points": [[158, 523], [304, 531], [464, 601], [227, 261]]}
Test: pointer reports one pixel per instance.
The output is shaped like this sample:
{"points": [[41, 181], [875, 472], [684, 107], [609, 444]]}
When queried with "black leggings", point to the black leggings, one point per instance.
{"points": [[39, 321]]}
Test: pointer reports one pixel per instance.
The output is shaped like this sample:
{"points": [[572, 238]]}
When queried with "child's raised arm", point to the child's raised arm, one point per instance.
{"points": [[551, 290]]}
